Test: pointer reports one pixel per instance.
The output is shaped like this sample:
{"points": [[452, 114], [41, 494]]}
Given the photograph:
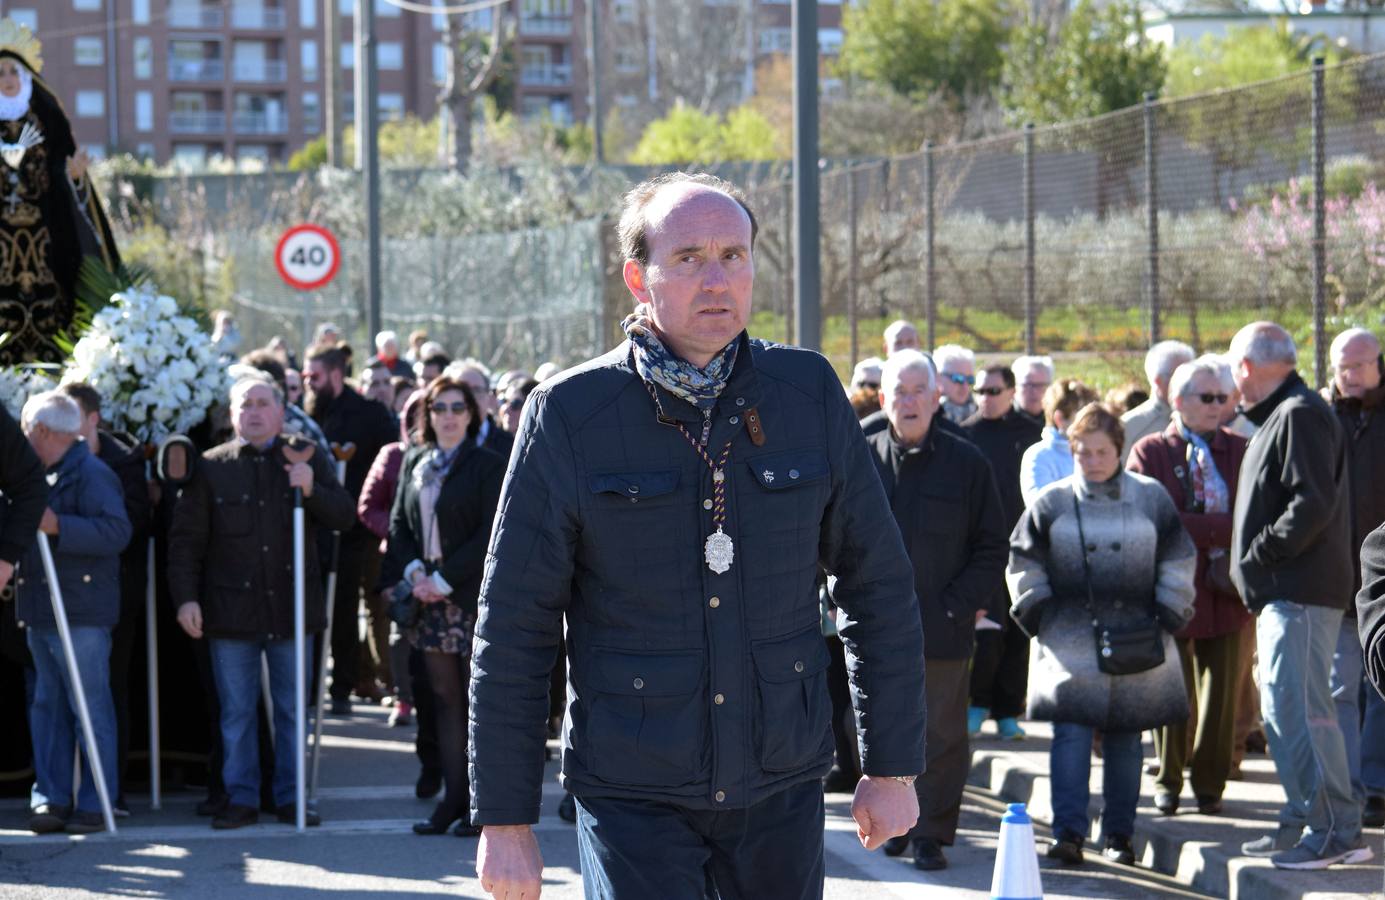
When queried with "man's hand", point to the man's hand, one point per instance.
{"points": [[49, 523], [6, 573], [301, 476], [77, 165], [190, 617], [980, 614], [508, 862], [883, 808]]}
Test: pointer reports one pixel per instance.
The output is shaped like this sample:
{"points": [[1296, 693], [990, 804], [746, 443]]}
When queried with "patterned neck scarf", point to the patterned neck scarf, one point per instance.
{"points": [[656, 364], [1209, 488]]}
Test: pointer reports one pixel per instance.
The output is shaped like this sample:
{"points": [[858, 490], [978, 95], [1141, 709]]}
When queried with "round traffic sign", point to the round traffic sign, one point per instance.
{"points": [[307, 257]]}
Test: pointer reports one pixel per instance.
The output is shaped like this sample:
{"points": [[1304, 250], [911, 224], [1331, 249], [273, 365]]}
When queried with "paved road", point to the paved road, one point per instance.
{"points": [[365, 847]]}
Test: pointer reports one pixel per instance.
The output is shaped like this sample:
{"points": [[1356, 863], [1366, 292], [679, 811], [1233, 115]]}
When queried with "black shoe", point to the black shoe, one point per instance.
{"points": [[1066, 850], [120, 809], [1118, 850], [85, 822], [1373, 816], [1209, 806], [428, 784], [1152, 769], [1166, 803], [340, 708], [465, 829], [235, 816], [928, 855], [214, 805], [428, 826], [567, 808], [1256, 743], [840, 781], [288, 814], [47, 818], [896, 846]]}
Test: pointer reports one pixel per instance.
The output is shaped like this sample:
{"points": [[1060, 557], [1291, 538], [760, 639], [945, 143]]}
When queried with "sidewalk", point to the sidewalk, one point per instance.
{"points": [[1201, 851]]}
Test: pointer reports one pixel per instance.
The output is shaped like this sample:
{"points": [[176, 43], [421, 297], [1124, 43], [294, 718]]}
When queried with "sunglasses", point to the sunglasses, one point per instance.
{"points": [[512, 404], [457, 407], [990, 391], [1212, 398], [1036, 385], [959, 379]]}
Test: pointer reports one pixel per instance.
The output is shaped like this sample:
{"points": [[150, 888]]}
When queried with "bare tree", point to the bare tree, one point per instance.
{"points": [[473, 64], [700, 52]]}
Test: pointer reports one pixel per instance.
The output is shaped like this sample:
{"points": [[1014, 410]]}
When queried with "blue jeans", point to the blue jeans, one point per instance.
{"points": [[236, 668], [57, 731], [1373, 743], [1348, 663], [1070, 762], [1296, 644]]}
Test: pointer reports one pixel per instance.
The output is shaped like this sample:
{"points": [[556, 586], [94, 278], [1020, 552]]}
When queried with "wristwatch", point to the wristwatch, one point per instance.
{"points": [[907, 780]]}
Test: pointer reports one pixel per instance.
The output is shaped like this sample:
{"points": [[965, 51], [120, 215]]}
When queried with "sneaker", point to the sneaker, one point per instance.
{"points": [[288, 814], [47, 818], [976, 717], [84, 821], [1119, 850], [1165, 802], [928, 855], [1283, 839], [1373, 816], [401, 715], [1301, 856], [235, 816], [1066, 850], [1010, 730]]}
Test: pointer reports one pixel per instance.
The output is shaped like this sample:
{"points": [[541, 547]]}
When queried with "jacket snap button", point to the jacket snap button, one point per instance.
{"points": [[719, 699], [713, 603], [721, 796], [740, 401], [86, 579], [639, 684], [706, 504], [264, 549], [798, 666], [735, 420], [793, 473], [1091, 548], [247, 584], [1116, 546], [1117, 604], [634, 488]]}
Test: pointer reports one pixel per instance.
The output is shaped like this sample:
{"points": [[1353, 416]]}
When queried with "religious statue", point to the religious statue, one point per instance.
{"points": [[50, 215]]}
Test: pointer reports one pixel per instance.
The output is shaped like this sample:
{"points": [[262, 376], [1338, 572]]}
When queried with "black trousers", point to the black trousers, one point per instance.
{"points": [[643, 848], [1000, 671], [425, 714], [939, 788], [346, 612], [843, 716]]}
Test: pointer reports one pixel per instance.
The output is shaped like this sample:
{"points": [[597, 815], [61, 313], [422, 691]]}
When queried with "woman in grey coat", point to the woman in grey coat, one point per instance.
{"points": [[1141, 564]]}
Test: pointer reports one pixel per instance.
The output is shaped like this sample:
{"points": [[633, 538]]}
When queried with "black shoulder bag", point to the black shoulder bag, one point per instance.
{"points": [[1125, 651]]}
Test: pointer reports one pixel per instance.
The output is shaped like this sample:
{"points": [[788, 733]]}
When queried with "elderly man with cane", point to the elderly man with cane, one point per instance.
{"points": [[233, 581], [86, 527]]}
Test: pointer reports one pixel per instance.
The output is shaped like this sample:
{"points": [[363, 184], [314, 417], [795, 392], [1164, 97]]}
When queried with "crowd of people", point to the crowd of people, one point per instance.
{"points": [[1179, 559]]}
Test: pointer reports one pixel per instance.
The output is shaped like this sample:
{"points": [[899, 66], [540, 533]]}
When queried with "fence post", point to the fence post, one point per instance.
{"points": [[852, 220], [1319, 228], [930, 283], [1152, 218], [1031, 313], [787, 227]]}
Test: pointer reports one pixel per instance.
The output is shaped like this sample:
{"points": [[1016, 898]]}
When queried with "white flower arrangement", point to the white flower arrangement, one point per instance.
{"points": [[157, 371], [17, 385]]}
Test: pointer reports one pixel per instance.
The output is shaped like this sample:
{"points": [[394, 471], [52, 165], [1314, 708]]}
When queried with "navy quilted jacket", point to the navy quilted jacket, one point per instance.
{"points": [[708, 691]]}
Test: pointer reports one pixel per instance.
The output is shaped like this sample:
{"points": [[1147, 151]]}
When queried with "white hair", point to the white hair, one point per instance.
{"points": [[54, 410], [1261, 343], [894, 328], [547, 371], [864, 369], [948, 354], [1339, 343], [1022, 366], [460, 367], [1164, 357], [385, 337], [254, 378], [1210, 363], [903, 360]]}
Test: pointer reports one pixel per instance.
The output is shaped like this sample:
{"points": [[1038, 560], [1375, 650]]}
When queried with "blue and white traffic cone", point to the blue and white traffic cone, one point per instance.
{"points": [[1016, 859]]}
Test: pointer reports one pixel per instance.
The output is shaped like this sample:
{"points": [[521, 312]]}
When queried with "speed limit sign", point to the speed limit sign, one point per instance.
{"points": [[307, 257]]}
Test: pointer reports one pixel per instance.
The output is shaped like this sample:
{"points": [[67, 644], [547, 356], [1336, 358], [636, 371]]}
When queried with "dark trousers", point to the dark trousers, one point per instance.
{"points": [[425, 713], [643, 848], [843, 716], [948, 757], [449, 674], [1000, 671], [346, 621], [1210, 670]]}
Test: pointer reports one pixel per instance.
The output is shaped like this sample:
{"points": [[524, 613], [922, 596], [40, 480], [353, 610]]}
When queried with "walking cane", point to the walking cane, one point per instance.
{"points": [[342, 454], [172, 465], [74, 677], [300, 686]]}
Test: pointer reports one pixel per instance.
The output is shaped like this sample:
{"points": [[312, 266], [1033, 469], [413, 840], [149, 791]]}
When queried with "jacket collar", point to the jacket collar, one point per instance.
{"points": [[1260, 412], [1367, 403], [1216, 442], [71, 459], [922, 451], [744, 384], [1111, 489]]}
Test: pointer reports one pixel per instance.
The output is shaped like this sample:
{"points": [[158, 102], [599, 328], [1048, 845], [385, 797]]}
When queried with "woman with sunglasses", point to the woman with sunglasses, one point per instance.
{"points": [[1198, 463], [440, 526]]}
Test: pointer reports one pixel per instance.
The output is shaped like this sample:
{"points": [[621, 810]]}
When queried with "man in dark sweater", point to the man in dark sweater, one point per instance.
{"points": [[944, 500], [1000, 668], [1291, 562]]}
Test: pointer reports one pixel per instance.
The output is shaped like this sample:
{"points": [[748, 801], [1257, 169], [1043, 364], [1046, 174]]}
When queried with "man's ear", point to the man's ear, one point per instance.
{"points": [[633, 273]]}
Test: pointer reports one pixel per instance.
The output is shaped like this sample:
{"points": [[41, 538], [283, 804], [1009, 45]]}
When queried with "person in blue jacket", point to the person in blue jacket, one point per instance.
{"points": [[87, 528], [668, 506]]}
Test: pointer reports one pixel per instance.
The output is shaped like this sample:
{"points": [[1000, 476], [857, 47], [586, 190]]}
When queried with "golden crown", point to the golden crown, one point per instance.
{"points": [[19, 40]]}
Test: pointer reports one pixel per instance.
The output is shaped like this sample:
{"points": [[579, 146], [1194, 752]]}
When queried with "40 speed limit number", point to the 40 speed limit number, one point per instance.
{"points": [[307, 257]]}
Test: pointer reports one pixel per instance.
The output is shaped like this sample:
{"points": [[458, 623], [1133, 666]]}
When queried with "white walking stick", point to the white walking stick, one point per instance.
{"points": [[342, 454], [74, 677], [151, 640], [300, 680]]}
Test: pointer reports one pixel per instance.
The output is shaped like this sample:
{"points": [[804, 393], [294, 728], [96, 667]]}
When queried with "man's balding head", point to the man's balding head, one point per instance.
{"points": [[651, 201], [1261, 356], [1355, 355]]}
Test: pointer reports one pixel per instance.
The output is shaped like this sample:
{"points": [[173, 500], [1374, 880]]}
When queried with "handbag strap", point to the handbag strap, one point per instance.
{"points": [[1086, 563]]}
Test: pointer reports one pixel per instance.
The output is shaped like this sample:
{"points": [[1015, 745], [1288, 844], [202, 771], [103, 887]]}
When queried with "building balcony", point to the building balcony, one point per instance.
{"points": [[546, 76], [260, 123], [195, 17], [555, 26], [259, 71], [197, 122], [256, 18], [196, 70]]}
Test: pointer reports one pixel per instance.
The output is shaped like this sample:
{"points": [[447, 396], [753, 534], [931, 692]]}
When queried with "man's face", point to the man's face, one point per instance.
{"points": [[324, 381], [377, 386], [10, 84], [256, 414], [1356, 368], [904, 339], [390, 350], [995, 398], [1031, 390], [957, 380], [910, 404], [700, 274], [48, 444]]}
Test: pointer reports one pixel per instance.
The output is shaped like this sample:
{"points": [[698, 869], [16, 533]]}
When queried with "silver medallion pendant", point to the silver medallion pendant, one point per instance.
{"points": [[719, 552]]}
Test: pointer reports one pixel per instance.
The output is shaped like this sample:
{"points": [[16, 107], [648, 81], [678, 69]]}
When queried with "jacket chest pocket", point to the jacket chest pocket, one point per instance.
{"points": [[637, 506], [793, 722], [788, 490], [646, 718], [233, 515]]}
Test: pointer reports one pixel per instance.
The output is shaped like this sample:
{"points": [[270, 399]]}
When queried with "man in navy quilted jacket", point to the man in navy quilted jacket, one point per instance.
{"points": [[670, 503]]}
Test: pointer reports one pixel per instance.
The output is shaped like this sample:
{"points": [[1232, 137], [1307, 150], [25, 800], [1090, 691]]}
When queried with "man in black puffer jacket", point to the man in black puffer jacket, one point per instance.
{"points": [[670, 502]]}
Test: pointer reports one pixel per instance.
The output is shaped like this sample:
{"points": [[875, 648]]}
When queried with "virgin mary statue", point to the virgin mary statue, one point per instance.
{"points": [[50, 215]]}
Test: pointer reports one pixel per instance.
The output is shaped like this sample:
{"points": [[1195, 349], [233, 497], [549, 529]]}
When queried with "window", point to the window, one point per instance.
{"points": [[95, 151], [545, 8], [439, 63], [190, 156], [312, 112], [258, 152], [307, 13], [829, 41], [385, 10], [144, 151], [348, 55], [144, 111], [627, 101], [776, 40], [139, 12], [307, 52], [623, 11], [89, 51], [27, 17], [346, 7], [144, 57], [86, 5], [391, 107], [627, 60], [91, 104], [389, 55]]}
